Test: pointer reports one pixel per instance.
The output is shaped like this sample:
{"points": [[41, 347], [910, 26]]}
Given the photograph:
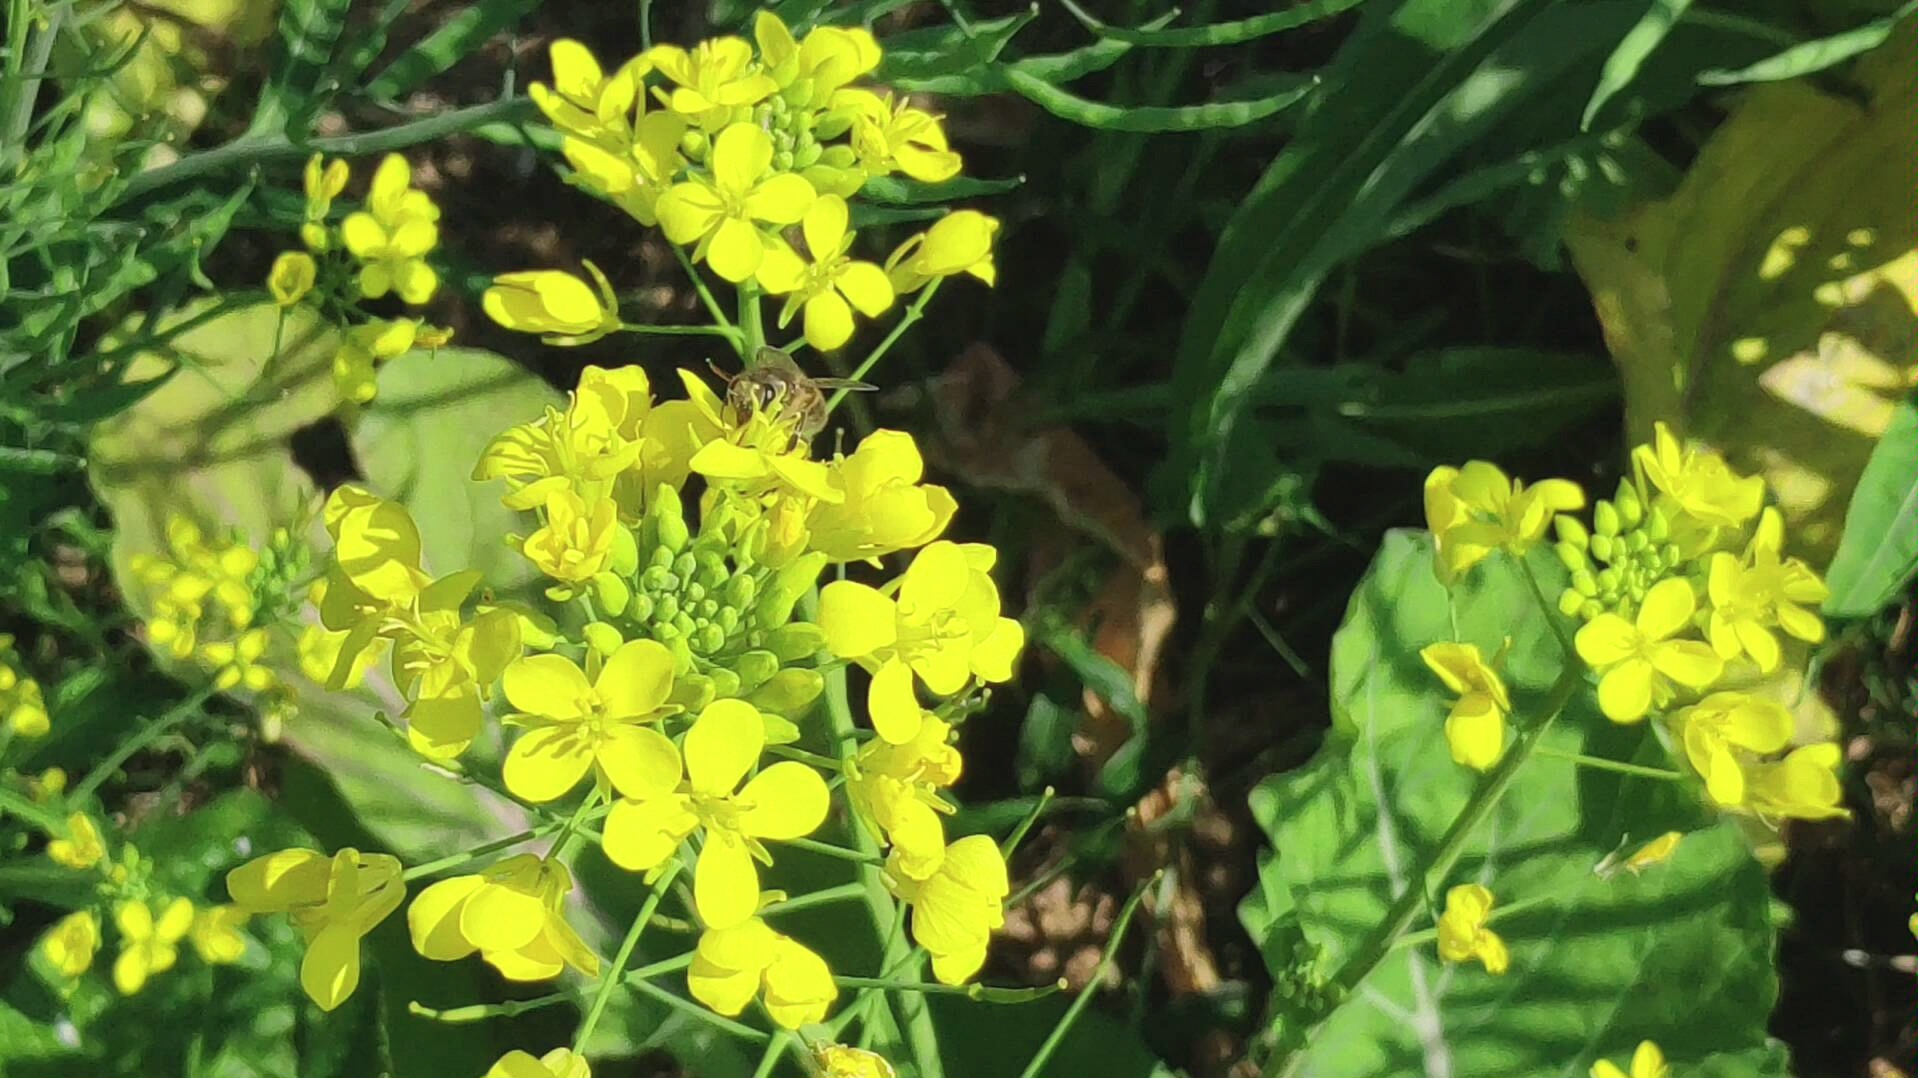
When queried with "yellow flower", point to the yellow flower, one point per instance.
{"points": [[292, 277], [1475, 727], [1698, 481], [892, 136], [718, 214], [47, 785], [82, 848], [582, 101], [808, 73], [1462, 935], [785, 801], [633, 175], [558, 1063], [1647, 1062], [366, 348], [577, 725], [734, 963], [757, 453], [1475, 510], [558, 305], [713, 81], [884, 508], [1638, 661], [512, 914], [944, 628], [1752, 594], [842, 1061], [21, 703], [215, 934], [1716, 728], [148, 946], [323, 180], [959, 242], [832, 284], [72, 943], [1655, 852], [604, 432], [575, 543], [896, 788], [393, 234], [957, 908], [334, 902], [237, 662], [1803, 785]]}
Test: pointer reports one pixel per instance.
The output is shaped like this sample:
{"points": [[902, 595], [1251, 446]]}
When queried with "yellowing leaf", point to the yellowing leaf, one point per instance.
{"points": [[1769, 307]]}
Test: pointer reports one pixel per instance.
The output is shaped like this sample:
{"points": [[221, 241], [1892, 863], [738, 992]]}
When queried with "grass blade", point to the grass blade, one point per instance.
{"points": [[1151, 118], [1623, 64], [1223, 33], [1812, 56]]}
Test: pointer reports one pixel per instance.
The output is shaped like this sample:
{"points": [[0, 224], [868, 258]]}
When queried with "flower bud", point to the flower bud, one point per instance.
{"points": [[709, 639], [1604, 548], [611, 593], [625, 558], [1605, 519], [790, 691], [1630, 506], [666, 608], [1571, 531], [1570, 602], [796, 641], [603, 638], [1584, 583], [641, 608], [693, 691], [755, 668], [1571, 556], [725, 682]]}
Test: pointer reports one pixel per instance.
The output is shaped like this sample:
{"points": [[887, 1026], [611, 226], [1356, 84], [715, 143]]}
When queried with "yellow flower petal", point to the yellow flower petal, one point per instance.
{"points": [[1689, 662], [1475, 732], [857, 620], [1625, 692], [331, 969], [723, 744], [741, 155], [1605, 640], [550, 686], [735, 249], [636, 679], [545, 763], [893, 705], [641, 835], [785, 801], [640, 762], [433, 920], [1667, 609], [828, 321], [441, 727], [725, 881]]}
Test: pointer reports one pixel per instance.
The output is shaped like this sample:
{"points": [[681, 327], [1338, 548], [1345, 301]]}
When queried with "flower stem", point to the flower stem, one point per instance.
{"points": [[146, 736], [11, 802], [815, 898], [727, 332], [468, 856], [861, 856], [713, 309], [753, 332], [480, 1012], [913, 314], [1601, 764], [613, 977], [1080, 1002], [575, 826]]}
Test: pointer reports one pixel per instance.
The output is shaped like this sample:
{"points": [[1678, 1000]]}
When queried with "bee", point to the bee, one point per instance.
{"points": [[774, 386]]}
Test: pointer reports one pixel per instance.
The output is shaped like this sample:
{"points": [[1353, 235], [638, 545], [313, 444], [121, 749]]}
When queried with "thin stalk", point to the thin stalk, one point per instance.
{"points": [[37, 815], [1084, 998], [466, 857], [913, 314], [575, 826], [1599, 763], [727, 332], [706, 298], [694, 1010], [815, 898], [147, 735], [480, 1012], [862, 857], [613, 977], [751, 328]]}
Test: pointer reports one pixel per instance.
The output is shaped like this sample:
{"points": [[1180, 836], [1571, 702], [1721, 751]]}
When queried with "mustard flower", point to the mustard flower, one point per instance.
{"points": [[713, 81], [365, 348], [1462, 932], [957, 908], [959, 242], [292, 277], [896, 789], [1698, 481], [576, 542], [603, 433], [558, 305], [891, 136], [577, 725], [1475, 510], [809, 72], [47, 785], [334, 902], [22, 705], [72, 943], [1803, 785], [1647, 1062], [1639, 661], [883, 508], [558, 1063], [1721, 726], [735, 963], [785, 801], [393, 234], [720, 213], [81, 848], [1751, 595], [756, 453], [237, 662], [832, 284], [148, 946], [632, 176], [944, 629], [513, 914], [323, 180], [1475, 726], [843, 1061], [215, 934], [583, 101]]}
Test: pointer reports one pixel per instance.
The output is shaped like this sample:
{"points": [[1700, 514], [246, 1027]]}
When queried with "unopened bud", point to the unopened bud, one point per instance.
{"points": [[611, 593], [796, 641], [1605, 519], [603, 638], [789, 691], [1571, 530]]}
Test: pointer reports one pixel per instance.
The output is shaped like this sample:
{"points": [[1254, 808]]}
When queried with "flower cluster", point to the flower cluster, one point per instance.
{"points": [[23, 710], [375, 251], [1688, 605], [747, 153]]}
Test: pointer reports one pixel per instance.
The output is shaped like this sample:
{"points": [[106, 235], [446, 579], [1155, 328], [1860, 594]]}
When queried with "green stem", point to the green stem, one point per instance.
{"points": [[614, 975], [1084, 998], [250, 150], [753, 331], [11, 802], [727, 332], [781, 1041], [659, 969], [1018, 835], [713, 309], [1549, 610], [466, 857], [824, 763], [147, 735], [575, 826], [913, 314], [861, 856], [695, 1011], [480, 1012], [1601, 764], [814, 898]]}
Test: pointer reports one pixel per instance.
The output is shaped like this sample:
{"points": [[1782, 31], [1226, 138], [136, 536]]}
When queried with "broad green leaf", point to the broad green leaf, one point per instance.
{"points": [[1766, 307], [1811, 57], [419, 440], [454, 40], [1679, 953], [1623, 64], [1879, 550]]}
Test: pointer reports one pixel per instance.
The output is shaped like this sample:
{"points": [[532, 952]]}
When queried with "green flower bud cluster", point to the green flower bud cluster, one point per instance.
{"points": [[1628, 549], [727, 617], [278, 581]]}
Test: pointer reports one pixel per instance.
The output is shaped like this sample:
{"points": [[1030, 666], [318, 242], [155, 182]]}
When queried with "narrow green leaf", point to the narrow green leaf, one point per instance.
{"points": [[1813, 56], [1623, 64], [1151, 118], [939, 51], [309, 30], [899, 191], [1879, 551], [1057, 68], [1223, 33], [453, 41]]}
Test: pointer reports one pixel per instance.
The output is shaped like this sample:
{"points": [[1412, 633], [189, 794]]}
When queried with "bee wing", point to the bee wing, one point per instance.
{"points": [[842, 383]]}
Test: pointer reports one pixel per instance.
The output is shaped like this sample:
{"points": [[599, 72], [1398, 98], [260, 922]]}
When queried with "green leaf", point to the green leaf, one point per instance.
{"points": [[899, 191], [1878, 553], [1223, 33], [1813, 56], [454, 40], [1679, 954], [309, 31], [1623, 64], [1057, 68], [420, 439], [940, 51], [1151, 118]]}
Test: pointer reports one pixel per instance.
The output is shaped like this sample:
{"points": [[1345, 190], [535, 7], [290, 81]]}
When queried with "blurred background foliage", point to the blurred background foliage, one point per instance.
{"points": [[1263, 267]]}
